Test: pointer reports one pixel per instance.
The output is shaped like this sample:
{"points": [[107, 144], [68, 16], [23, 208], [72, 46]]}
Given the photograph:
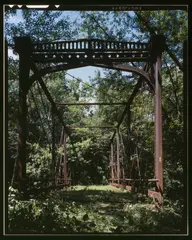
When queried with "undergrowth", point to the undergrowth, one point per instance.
{"points": [[90, 210]]}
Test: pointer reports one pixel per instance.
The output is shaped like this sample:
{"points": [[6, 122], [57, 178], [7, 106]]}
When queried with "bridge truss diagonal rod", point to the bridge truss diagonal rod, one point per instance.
{"points": [[38, 76], [38, 113], [130, 100], [54, 107], [47, 93], [61, 67], [43, 104], [137, 86]]}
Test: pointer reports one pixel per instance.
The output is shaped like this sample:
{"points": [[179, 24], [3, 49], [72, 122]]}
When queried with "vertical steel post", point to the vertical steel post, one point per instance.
{"points": [[158, 127], [59, 165], [185, 134], [6, 101], [158, 46], [115, 160], [112, 163], [23, 47], [110, 168], [118, 162], [123, 155], [129, 147], [65, 159], [53, 147]]}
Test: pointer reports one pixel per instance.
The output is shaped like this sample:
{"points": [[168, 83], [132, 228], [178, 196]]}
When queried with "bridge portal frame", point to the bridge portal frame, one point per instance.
{"points": [[99, 53]]}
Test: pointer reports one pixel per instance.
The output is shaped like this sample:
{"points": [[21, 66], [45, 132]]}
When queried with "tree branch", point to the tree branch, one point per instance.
{"points": [[174, 89], [152, 31]]}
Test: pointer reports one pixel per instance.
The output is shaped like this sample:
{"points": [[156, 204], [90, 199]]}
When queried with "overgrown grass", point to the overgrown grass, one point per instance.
{"points": [[97, 187], [92, 209], [90, 194]]}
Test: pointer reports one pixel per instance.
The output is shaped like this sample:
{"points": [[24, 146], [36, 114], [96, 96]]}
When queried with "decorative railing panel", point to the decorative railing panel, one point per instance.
{"points": [[87, 44]]}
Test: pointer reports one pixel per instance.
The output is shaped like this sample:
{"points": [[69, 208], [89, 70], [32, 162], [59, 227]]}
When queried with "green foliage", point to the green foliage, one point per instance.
{"points": [[57, 213], [41, 26], [88, 158], [145, 218], [39, 166]]}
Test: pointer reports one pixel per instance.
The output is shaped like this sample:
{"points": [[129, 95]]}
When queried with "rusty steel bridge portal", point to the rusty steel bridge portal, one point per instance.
{"points": [[58, 56]]}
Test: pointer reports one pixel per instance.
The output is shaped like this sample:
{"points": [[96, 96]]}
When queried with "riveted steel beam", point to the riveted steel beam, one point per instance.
{"points": [[158, 46], [23, 46]]}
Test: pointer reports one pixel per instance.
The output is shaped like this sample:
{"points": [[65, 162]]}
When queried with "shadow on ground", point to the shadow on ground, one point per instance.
{"points": [[98, 195], [106, 203]]}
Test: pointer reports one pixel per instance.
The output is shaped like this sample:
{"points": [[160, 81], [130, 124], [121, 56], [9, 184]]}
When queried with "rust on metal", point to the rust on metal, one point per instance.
{"points": [[150, 193], [118, 160], [112, 163], [63, 168], [139, 180], [53, 143], [130, 99], [158, 128], [47, 93], [23, 47], [65, 159], [129, 138], [185, 130], [157, 47]]}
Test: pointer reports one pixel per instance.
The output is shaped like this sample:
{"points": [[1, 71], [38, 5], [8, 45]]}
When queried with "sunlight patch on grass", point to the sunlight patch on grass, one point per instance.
{"points": [[98, 187]]}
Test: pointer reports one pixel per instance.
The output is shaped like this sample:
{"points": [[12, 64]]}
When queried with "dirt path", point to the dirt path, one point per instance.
{"points": [[107, 203]]}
